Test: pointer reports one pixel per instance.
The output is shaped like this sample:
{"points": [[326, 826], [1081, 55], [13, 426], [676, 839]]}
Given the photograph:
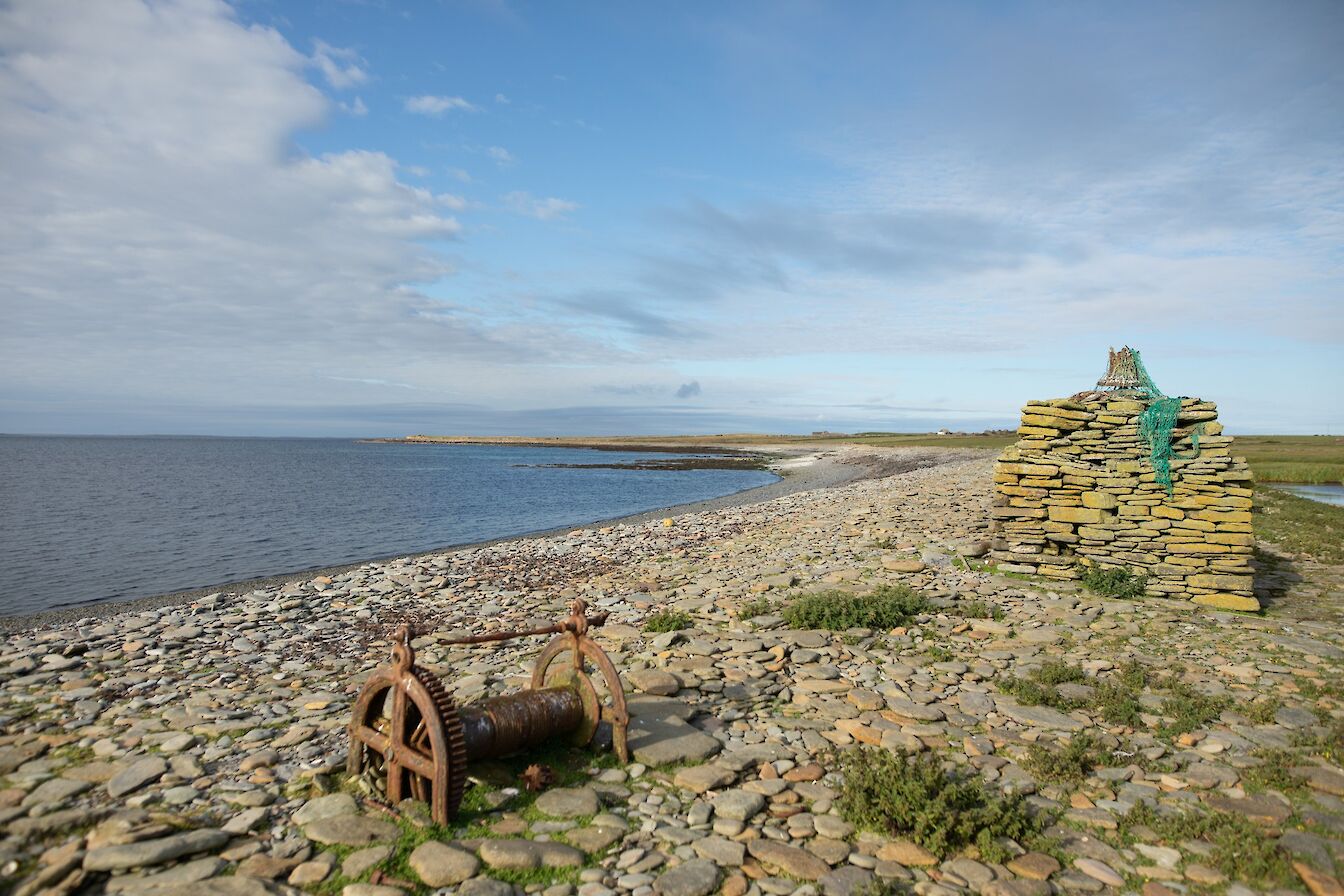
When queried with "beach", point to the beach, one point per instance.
{"points": [[196, 742]]}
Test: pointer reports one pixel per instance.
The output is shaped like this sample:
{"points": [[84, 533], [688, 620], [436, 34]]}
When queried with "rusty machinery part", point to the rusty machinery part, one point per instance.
{"points": [[417, 740], [581, 649]]}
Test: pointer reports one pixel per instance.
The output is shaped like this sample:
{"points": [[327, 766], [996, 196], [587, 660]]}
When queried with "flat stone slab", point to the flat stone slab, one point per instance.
{"points": [[328, 806], [789, 859], [139, 774], [697, 877], [441, 865], [569, 802], [1038, 716], [669, 740], [153, 852], [528, 855], [737, 805], [700, 778], [351, 830]]}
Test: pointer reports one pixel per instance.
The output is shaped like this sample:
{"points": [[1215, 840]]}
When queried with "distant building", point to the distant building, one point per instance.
{"points": [[943, 432]]}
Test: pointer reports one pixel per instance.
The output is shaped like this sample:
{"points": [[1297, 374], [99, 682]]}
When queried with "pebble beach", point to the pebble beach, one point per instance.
{"points": [[196, 743]]}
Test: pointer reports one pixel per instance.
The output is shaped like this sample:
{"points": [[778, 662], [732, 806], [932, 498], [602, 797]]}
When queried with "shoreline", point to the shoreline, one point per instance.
{"points": [[799, 470]]}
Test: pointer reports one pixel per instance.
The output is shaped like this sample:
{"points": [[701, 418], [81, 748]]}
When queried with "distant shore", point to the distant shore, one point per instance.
{"points": [[799, 470]]}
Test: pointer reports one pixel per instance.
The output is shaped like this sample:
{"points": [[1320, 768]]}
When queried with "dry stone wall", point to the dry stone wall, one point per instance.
{"points": [[1078, 488]]}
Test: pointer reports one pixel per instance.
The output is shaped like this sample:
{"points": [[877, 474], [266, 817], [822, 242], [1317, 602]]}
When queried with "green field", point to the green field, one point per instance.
{"points": [[1310, 459]]}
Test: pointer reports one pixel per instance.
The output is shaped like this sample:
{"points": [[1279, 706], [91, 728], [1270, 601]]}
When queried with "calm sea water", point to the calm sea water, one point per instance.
{"points": [[87, 519], [1327, 494]]}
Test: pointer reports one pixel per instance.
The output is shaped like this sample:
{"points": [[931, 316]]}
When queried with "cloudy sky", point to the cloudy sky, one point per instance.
{"points": [[362, 218]]}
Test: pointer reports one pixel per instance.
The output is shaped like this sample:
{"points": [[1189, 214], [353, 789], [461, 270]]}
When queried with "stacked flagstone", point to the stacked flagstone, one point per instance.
{"points": [[1078, 488]]}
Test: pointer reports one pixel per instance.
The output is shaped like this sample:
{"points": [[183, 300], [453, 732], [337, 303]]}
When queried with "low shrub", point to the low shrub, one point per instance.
{"points": [[1123, 583], [1237, 847], [887, 607], [899, 794], [758, 606], [1187, 709], [1070, 763], [976, 609], [667, 621]]}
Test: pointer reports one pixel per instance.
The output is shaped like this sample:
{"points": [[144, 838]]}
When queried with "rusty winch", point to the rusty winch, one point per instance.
{"points": [[405, 724]]}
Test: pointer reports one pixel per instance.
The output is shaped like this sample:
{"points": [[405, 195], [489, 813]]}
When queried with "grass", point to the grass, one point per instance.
{"points": [[1299, 525], [886, 608], [667, 621], [1240, 850], [912, 796], [1310, 459], [1115, 582]]}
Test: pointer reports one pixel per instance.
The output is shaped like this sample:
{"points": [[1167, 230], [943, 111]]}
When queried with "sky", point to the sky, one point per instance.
{"points": [[382, 218]]}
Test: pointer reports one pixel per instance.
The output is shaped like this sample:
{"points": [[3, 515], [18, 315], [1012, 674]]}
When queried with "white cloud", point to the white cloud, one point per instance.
{"points": [[340, 66], [501, 155], [434, 106], [163, 241], [548, 209], [356, 108], [502, 99]]}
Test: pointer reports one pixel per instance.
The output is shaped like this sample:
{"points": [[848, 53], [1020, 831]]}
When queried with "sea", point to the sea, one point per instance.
{"points": [[91, 519]]}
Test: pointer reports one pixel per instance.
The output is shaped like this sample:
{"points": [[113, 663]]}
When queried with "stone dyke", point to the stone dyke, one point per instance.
{"points": [[1078, 489]]}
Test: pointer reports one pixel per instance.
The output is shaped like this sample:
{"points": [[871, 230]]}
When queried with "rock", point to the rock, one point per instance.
{"points": [[485, 886], [527, 855], [848, 880], [328, 806], [739, 805], [1099, 871], [696, 877], [668, 741], [351, 830], [1329, 780], [568, 802], [138, 774], [153, 852], [1034, 865], [1319, 883], [1264, 808], [907, 853], [654, 681], [54, 791], [227, 886], [441, 865], [594, 838], [720, 850], [1038, 716], [791, 860], [362, 860], [700, 778], [374, 890]]}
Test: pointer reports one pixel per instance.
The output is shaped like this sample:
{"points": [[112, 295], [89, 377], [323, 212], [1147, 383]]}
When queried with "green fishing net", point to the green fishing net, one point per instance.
{"points": [[1156, 424]]}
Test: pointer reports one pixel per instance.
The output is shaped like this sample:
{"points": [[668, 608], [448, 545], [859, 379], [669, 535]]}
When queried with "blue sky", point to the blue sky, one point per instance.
{"points": [[361, 218]]}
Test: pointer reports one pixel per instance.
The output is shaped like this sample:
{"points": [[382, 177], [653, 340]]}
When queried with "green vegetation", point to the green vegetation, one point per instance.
{"points": [[1117, 582], [1312, 459], [1188, 709], [1038, 688], [667, 621], [976, 609], [1238, 848], [1299, 525], [912, 796], [1071, 763], [1273, 772], [758, 606], [887, 607]]}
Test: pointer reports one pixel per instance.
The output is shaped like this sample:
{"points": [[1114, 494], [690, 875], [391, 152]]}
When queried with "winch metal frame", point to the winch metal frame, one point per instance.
{"points": [[405, 725]]}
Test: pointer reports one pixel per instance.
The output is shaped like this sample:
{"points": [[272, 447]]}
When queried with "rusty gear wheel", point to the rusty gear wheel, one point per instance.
{"points": [[405, 725]]}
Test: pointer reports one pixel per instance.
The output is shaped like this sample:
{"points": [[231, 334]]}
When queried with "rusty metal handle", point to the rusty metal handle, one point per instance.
{"points": [[578, 622]]}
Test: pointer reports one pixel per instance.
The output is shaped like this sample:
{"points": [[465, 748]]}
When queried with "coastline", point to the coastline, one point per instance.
{"points": [[799, 469]]}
